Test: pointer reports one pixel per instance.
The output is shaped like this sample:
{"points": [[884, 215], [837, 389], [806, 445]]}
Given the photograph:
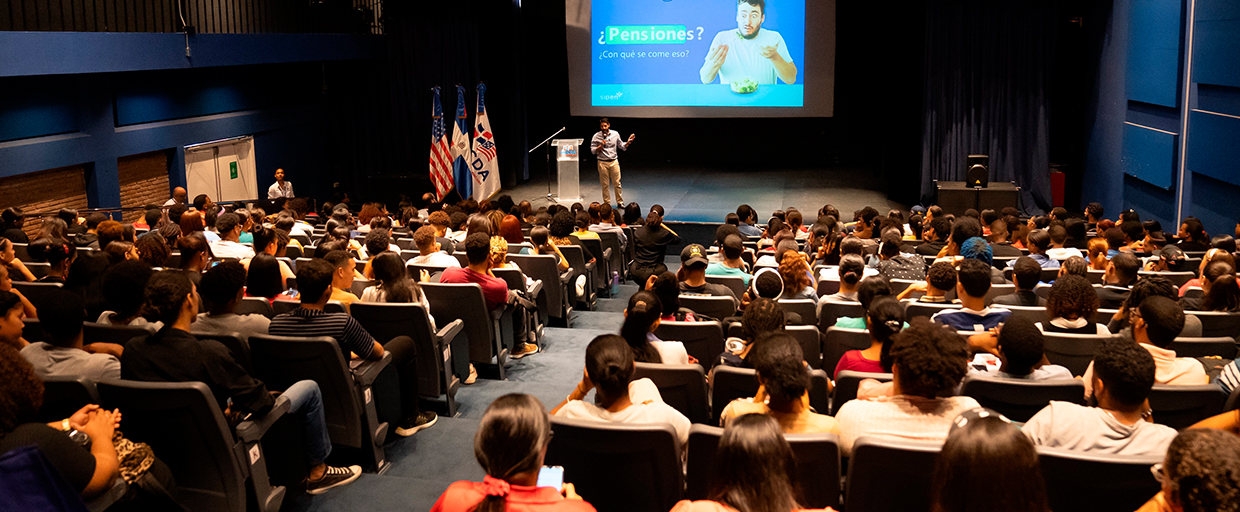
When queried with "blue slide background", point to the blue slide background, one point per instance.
{"points": [[784, 16]]}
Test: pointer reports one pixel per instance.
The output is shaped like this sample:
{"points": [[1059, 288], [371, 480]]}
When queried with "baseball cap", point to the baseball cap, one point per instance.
{"points": [[693, 254]]}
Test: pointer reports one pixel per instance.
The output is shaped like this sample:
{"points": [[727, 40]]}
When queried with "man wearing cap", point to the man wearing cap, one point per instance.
{"points": [[1167, 259], [693, 274]]}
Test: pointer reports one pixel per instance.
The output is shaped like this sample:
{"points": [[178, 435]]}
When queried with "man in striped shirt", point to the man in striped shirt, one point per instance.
{"points": [[314, 281]]}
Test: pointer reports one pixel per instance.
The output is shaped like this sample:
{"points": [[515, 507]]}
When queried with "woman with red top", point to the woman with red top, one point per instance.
{"points": [[884, 320], [510, 446]]}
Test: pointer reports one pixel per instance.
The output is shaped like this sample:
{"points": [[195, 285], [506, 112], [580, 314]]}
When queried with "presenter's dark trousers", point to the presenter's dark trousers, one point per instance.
{"points": [[641, 271]]}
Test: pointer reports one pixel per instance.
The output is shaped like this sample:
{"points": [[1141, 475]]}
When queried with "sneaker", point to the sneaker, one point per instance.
{"points": [[525, 350], [413, 425], [333, 477], [473, 374]]}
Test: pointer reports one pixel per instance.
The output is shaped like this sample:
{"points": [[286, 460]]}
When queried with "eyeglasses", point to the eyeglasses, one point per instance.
{"points": [[1159, 474]]}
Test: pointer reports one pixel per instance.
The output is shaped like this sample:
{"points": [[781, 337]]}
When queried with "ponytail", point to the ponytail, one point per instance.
{"points": [[1224, 294], [643, 311], [886, 319], [513, 432]]}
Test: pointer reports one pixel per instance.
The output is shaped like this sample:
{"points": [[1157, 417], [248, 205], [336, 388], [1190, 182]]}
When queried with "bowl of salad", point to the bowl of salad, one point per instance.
{"points": [[744, 85]]}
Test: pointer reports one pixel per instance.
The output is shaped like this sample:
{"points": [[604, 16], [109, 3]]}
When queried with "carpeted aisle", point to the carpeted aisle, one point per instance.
{"points": [[425, 464]]}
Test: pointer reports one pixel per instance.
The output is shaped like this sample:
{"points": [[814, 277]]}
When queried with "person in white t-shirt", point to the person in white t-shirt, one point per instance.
{"points": [[280, 188], [749, 51], [619, 398], [430, 251]]}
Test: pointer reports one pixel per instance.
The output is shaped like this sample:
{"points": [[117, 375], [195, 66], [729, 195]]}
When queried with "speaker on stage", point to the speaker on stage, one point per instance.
{"points": [[977, 175]]}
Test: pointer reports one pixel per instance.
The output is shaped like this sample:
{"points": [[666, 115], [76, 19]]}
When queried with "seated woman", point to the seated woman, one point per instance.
{"points": [[59, 254], [6, 285], [796, 275], [869, 289], [761, 317], [641, 319], [124, 290], [582, 223], [756, 470], [510, 445], [619, 398], [928, 362], [666, 287], [1210, 256], [783, 389], [393, 284], [1097, 252], [264, 280], [1071, 306], [120, 250], [650, 243], [8, 259], [851, 269], [266, 241], [1218, 282], [987, 464], [884, 319], [539, 238]]}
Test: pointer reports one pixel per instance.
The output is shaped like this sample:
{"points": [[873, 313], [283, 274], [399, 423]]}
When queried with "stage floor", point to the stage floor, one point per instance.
{"points": [[696, 194]]}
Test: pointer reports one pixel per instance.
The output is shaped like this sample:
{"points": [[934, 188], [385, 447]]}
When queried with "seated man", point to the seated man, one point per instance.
{"points": [[229, 226], [1120, 274], [222, 288], [762, 316], [494, 290], [895, 264], [928, 362], [1021, 353], [605, 224], [974, 282], [175, 355], [935, 234], [1039, 243], [342, 278], [429, 250], [1155, 325], [693, 274], [732, 264], [939, 279], [62, 355], [1121, 424], [1057, 251], [314, 280], [783, 389], [1026, 274]]}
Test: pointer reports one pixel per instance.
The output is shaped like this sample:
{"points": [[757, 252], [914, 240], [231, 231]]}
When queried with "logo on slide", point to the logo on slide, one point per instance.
{"points": [[613, 97]]}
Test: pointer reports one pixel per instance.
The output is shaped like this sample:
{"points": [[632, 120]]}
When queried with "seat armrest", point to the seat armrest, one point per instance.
{"points": [[566, 277], [607, 253], [533, 291], [366, 373], [590, 266], [253, 429], [450, 331]]}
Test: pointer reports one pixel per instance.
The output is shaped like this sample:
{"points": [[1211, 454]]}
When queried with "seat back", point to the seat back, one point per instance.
{"points": [[22, 252], [876, 463], [238, 347], [621, 467], [1033, 314], [1082, 481], [465, 302], [282, 306], [576, 257], [838, 340], [184, 425], [512, 277], [827, 287], [811, 343], [1071, 351], [702, 340], [602, 265], [1179, 407], [712, 306], [63, 396], [118, 334], [255, 306], [359, 286], [1222, 346], [997, 290], [415, 271], [386, 321], [831, 310], [914, 309], [1176, 278], [1218, 323], [734, 283], [32, 330], [1019, 399], [682, 387], [280, 361], [806, 308], [40, 269], [543, 266], [728, 383], [846, 384], [616, 262], [818, 465]]}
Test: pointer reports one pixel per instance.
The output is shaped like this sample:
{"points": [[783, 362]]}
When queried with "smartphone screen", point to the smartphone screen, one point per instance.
{"points": [[551, 476]]}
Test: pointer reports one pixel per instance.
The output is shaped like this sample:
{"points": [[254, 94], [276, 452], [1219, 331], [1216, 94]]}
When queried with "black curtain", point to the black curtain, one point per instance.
{"points": [[987, 68]]}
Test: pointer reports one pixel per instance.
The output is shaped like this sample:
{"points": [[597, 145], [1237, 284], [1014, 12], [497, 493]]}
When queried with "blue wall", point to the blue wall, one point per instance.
{"points": [[90, 98], [1146, 150]]}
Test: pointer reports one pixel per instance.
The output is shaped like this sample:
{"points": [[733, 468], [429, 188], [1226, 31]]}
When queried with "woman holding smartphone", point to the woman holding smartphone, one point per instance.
{"points": [[510, 446]]}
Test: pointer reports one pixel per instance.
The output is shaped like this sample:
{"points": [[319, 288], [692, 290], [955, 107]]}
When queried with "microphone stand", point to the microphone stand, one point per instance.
{"points": [[540, 144]]}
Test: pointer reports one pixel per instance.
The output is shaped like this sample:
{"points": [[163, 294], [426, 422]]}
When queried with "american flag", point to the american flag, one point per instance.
{"points": [[441, 155]]}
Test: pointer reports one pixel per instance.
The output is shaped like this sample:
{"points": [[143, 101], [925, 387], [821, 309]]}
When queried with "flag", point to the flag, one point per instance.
{"points": [[460, 148], [484, 166], [441, 156]]}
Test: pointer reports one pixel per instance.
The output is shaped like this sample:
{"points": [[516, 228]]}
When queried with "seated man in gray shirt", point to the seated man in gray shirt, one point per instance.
{"points": [[222, 288], [62, 355], [1021, 353], [1122, 423]]}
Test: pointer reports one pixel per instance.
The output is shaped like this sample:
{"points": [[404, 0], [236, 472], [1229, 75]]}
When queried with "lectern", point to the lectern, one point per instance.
{"points": [[567, 160]]}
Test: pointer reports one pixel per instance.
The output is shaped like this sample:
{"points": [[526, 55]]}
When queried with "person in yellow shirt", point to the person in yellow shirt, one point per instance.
{"points": [[783, 391]]}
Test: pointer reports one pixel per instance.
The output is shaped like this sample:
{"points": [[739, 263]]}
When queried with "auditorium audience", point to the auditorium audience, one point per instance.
{"points": [[974, 282], [12, 220], [795, 273], [1026, 274], [783, 388], [342, 278], [896, 264], [153, 249], [650, 243], [1221, 292], [1210, 256], [510, 444], [1155, 324], [263, 279], [10, 261], [884, 319], [229, 227], [1070, 306], [59, 254], [927, 362], [222, 287], [1192, 235], [618, 398], [986, 464], [6, 285], [1146, 287], [429, 249], [1121, 377], [851, 269]]}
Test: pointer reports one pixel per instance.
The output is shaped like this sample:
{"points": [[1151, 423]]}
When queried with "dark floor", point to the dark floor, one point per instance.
{"points": [[426, 463], [700, 194]]}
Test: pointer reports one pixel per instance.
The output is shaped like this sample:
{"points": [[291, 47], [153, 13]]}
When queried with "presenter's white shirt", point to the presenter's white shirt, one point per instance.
{"points": [[745, 56], [276, 191]]}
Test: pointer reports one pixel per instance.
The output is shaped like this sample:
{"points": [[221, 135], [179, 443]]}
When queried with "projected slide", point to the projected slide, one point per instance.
{"points": [[698, 53]]}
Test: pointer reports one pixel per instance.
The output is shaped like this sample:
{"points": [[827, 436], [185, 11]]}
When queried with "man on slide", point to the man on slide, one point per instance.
{"points": [[604, 145], [749, 51]]}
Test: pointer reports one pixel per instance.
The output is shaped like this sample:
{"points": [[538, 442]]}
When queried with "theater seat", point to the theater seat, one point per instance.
{"points": [[702, 340], [1222, 346], [436, 376], [1018, 399], [1181, 406], [1072, 351], [886, 475], [489, 333], [1088, 482], [837, 341], [255, 306], [1218, 323], [818, 465], [118, 334], [682, 386], [715, 307], [215, 469], [811, 343], [831, 310], [543, 267], [63, 396], [619, 467], [734, 283], [807, 309], [846, 384], [729, 383]]}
